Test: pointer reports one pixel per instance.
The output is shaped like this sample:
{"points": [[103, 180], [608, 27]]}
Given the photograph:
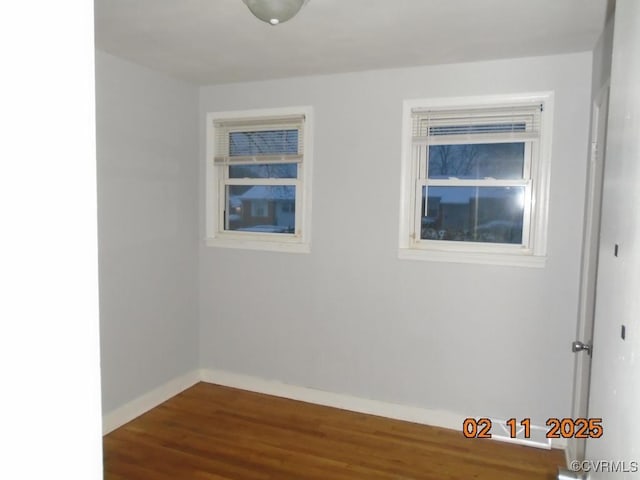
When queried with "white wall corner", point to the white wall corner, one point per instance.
{"points": [[569, 447], [136, 407]]}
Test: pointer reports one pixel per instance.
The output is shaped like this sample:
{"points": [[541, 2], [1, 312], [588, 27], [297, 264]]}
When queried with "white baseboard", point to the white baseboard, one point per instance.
{"points": [[434, 418], [146, 402]]}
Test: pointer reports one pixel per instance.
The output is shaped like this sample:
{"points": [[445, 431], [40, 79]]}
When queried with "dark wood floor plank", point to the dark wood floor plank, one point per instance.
{"points": [[210, 432]]}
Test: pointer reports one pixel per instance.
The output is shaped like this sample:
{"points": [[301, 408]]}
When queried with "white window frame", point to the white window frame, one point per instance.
{"points": [[532, 253], [216, 235]]}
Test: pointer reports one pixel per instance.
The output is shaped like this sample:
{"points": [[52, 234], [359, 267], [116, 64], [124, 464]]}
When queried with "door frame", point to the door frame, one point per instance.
{"points": [[589, 264]]}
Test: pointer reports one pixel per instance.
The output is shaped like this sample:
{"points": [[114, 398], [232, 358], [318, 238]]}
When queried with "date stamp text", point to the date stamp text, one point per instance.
{"points": [[558, 428]]}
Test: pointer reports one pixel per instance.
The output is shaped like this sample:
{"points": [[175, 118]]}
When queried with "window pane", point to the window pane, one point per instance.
{"points": [[473, 214], [260, 208], [270, 142], [477, 160], [264, 170]]}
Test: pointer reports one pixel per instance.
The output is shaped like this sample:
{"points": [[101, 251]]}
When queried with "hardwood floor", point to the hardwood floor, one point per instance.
{"points": [[210, 432]]}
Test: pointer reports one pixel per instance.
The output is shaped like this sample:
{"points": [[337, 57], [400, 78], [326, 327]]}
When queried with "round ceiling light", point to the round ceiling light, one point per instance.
{"points": [[274, 11]]}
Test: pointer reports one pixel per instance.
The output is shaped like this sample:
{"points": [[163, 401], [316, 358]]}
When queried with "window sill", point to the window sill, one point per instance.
{"points": [[503, 259], [253, 244]]}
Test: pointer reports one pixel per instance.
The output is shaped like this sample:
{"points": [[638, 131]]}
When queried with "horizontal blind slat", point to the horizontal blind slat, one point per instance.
{"points": [[253, 159], [250, 123], [476, 138]]}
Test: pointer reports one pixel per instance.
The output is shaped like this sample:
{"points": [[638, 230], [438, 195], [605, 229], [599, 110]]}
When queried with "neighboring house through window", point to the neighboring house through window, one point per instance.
{"points": [[476, 179], [259, 179]]}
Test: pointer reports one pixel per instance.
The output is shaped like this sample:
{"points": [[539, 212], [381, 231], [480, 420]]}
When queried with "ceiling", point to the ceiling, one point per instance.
{"points": [[220, 41]]}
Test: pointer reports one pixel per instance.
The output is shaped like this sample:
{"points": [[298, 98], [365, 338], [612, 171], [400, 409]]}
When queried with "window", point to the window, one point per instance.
{"points": [[475, 179], [259, 179]]}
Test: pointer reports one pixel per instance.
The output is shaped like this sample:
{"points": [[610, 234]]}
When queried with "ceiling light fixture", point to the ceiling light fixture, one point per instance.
{"points": [[274, 12]]}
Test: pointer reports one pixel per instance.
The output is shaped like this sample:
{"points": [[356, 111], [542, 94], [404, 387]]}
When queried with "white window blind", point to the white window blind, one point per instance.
{"points": [[512, 123], [259, 140]]}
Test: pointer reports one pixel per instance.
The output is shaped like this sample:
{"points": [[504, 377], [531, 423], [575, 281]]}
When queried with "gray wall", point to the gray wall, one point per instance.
{"points": [[350, 317], [602, 52], [147, 176]]}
